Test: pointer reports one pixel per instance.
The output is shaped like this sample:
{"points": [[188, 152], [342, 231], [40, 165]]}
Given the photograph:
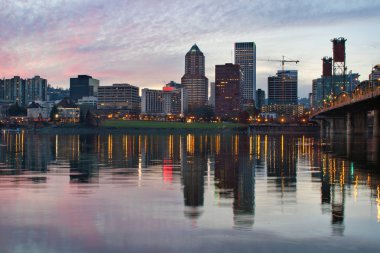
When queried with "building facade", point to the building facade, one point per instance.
{"points": [[227, 90], [37, 112], [119, 97], [83, 86], [375, 74], [284, 110], [194, 79], [174, 99], [282, 88], [260, 98], [245, 56], [151, 102], [68, 111], [23, 91], [211, 99]]}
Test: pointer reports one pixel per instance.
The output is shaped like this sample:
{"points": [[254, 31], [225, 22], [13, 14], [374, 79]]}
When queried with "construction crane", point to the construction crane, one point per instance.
{"points": [[283, 61]]}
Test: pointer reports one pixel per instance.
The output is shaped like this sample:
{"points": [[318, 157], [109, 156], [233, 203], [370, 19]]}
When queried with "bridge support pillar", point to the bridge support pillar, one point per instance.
{"points": [[376, 122], [332, 126], [360, 123], [348, 124], [322, 127]]}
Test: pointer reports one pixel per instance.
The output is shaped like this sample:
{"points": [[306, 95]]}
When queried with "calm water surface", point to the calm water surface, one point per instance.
{"points": [[185, 193]]}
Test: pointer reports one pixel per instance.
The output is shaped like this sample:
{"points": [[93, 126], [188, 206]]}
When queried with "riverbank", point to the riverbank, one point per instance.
{"points": [[162, 127]]}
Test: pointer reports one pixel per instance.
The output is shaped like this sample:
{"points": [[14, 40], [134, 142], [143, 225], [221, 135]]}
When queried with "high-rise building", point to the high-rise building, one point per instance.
{"points": [[83, 86], [194, 79], [282, 88], [119, 97], [23, 91], [260, 98], [151, 102], [245, 56], [227, 90], [36, 89]]}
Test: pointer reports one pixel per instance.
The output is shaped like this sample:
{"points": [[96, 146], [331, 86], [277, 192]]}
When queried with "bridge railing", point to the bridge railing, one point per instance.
{"points": [[350, 99]]}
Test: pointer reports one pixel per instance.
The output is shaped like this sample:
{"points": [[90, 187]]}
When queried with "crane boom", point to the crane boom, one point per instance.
{"points": [[283, 61]]}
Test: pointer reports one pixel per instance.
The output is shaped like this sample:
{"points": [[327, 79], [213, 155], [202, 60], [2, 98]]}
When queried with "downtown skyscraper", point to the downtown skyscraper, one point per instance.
{"points": [[194, 79], [227, 90], [245, 56]]}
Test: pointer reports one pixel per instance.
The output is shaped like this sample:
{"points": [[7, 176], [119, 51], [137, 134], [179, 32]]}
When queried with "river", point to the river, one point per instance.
{"points": [[185, 193]]}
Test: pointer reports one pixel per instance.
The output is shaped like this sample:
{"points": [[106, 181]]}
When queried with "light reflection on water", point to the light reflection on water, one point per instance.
{"points": [[171, 193]]}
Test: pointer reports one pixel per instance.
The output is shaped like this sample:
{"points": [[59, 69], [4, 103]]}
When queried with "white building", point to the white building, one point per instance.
{"points": [[90, 101], [151, 102], [37, 112]]}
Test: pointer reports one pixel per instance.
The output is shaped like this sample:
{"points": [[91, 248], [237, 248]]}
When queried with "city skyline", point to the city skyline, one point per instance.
{"points": [[61, 39]]}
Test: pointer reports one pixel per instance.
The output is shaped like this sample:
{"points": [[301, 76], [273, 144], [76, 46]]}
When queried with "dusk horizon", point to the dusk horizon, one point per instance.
{"points": [[144, 43]]}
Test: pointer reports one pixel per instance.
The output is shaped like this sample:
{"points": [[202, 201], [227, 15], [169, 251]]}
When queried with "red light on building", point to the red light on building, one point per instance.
{"points": [[168, 88]]}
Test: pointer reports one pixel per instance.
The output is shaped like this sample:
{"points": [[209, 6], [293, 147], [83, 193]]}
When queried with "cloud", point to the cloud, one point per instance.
{"points": [[144, 42]]}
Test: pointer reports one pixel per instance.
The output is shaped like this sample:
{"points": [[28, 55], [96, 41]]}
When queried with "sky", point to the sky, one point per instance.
{"points": [[144, 42]]}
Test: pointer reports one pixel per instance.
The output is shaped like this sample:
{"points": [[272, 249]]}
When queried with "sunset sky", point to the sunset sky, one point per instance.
{"points": [[144, 42]]}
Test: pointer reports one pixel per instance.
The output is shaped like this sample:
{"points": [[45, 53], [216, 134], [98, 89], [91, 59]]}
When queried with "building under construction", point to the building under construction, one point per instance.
{"points": [[282, 88]]}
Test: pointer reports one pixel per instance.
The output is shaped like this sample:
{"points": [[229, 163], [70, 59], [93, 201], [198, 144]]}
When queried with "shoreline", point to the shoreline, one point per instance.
{"points": [[252, 129]]}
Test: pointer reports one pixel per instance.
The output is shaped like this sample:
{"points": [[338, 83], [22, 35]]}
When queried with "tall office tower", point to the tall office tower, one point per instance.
{"points": [[245, 56], [194, 79], [260, 98], [227, 90], [282, 88], [83, 86]]}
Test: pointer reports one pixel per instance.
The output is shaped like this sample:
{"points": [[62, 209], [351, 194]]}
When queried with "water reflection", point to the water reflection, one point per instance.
{"points": [[255, 181]]}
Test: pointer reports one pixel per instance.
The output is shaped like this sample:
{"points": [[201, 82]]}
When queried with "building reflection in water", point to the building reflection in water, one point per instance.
{"points": [[281, 166], [194, 165], [229, 164], [235, 176]]}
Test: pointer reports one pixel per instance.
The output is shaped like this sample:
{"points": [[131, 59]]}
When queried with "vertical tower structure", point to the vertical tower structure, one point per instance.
{"points": [[194, 79], [326, 77], [339, 65]]}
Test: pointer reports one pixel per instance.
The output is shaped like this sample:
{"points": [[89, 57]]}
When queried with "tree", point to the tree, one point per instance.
{"points": [[16, 110], [89, 119], [205, 112], [81, 116], [53, 113], [243, 117]]}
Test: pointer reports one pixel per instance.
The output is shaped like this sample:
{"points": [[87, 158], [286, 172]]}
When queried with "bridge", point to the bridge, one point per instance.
{"points": [[355, 113], [353, 119]]}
